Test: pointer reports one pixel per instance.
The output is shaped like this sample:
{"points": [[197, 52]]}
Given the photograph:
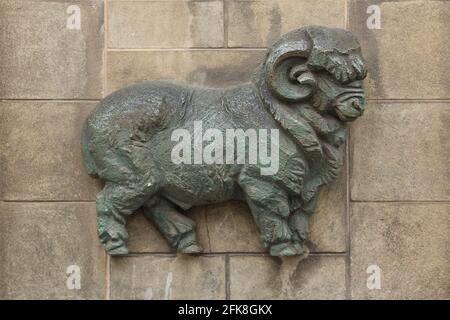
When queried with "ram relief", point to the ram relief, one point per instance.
{"points": [[152, 143]]}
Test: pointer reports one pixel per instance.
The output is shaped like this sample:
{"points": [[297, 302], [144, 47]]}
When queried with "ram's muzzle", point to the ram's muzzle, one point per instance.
{"points": [[350, 104], [346, 101]]}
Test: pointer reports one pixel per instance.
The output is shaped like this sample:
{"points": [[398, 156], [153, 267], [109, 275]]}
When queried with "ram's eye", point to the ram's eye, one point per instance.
{"points": [[355, 84], [297, 71]]}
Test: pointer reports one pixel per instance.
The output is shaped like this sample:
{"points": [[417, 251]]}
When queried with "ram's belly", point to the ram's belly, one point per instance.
{"points": [[191, 185]]}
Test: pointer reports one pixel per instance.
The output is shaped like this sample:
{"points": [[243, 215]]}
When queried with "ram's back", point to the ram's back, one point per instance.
{"points": [[131, 115]]}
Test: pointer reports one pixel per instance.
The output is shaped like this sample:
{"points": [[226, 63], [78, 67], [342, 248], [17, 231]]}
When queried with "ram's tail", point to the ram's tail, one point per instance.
{"points": [[88, 161]]}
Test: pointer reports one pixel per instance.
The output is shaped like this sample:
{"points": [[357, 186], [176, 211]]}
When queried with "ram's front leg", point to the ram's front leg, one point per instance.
{"points": [[270, 209], [299, 221]]}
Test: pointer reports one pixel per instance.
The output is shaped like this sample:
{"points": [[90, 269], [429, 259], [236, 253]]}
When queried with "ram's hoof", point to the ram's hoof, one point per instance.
{"points": [[188, 243], [194, 248], [116, 246], [118, 251], [287, 249]]}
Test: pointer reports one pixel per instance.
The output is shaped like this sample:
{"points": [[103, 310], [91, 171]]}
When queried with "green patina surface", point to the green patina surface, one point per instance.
{"points": [[308, 87]]}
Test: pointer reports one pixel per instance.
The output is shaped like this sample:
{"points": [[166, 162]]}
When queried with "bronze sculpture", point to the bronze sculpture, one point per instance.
{"points": [[309, 85]]}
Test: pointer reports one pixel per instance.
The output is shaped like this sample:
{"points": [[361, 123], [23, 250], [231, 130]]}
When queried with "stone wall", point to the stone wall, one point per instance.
{"points": [[389, 208]]}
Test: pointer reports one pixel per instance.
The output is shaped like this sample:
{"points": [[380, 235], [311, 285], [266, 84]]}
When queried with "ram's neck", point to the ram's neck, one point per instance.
{"points": [[287, 117], [309, 134]]}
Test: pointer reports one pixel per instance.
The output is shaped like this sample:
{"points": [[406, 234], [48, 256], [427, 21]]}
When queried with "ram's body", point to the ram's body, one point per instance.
{"points": [[306, 89], [131, 131]]}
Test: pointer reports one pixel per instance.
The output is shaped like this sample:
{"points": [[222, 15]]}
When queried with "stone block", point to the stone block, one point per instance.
{"points": [[165, 24], [39, 243], [408, 242], [264, 277], [400, 151], [41, 152], [45, 55], [166, 277], [409, 56]]}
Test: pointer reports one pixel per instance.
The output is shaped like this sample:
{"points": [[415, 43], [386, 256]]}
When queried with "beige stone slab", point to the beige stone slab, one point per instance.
{"points": [[144, 237], [400, 151], [42, 58], [260, 23], [165, 24], [41, 153], [166, 277], [232, 228], [409, 57], [264, 277], [39, 241], [212, 68], [409, 242], [328, 224]]}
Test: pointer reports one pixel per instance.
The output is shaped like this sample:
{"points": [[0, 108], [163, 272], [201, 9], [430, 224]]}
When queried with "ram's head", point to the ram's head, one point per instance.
{"points": [[321, 66]]}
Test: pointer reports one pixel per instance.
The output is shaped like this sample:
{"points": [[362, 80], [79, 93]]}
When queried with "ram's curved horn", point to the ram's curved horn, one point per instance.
{"points": [[287, 74]]}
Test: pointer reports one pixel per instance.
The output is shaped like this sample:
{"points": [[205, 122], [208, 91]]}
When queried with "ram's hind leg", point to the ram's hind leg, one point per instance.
{"points": [[178, 229], [114, 203]]}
